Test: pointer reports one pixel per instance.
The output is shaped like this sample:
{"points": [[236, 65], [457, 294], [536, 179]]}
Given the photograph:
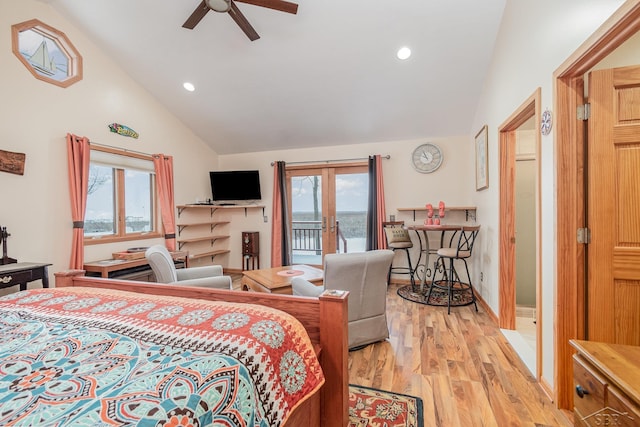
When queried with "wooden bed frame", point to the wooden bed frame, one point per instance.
{"points": [[324, 318]]}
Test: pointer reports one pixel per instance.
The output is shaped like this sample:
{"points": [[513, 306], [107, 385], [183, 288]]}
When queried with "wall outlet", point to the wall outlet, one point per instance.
{"points": [[481, 276], [265, 218], [392, 218]]}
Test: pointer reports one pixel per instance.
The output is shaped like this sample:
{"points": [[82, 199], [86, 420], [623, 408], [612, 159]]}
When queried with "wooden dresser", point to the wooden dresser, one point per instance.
{"points": [[607, 384]]}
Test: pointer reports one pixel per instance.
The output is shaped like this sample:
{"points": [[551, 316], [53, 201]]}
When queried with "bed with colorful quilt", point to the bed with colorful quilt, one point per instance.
{"points": [[92, 353]]}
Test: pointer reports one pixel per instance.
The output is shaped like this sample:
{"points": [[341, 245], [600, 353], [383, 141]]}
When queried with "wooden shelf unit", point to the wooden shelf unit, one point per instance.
{"points": [[212, 224], [209, 253], [203, 239], [469, 211], [213, 208]]}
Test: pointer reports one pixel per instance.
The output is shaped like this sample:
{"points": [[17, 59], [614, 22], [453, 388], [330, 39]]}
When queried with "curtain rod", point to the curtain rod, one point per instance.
{"points": [[126, 150], [332, 160]]}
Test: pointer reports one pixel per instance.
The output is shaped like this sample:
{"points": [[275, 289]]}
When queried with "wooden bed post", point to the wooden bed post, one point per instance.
{"points": [[65, 278], [334, 358]]}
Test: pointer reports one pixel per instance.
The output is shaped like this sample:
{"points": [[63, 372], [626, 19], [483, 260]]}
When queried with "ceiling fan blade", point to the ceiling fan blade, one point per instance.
{"points": [[196, 16], [242, 22]]}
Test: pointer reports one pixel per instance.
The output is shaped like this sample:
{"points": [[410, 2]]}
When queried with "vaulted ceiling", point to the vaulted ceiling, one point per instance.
{"points": [[327, 75]]}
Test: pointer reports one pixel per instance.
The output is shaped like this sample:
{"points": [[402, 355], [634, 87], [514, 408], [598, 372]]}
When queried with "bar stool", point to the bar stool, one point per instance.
{"points": [[450, 280], [398, 239]]}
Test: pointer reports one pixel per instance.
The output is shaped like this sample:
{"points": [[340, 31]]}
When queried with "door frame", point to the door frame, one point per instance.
{"points": [[570, 154], [507, 276]]}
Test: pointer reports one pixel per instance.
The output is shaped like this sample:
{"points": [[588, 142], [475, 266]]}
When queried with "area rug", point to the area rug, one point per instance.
{"points": [[369, 407], [438, 296]]}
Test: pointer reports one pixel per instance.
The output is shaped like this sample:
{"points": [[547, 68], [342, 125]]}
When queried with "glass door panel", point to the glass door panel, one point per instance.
{"points": [[328, 211], [306, 218], [351, 212]]}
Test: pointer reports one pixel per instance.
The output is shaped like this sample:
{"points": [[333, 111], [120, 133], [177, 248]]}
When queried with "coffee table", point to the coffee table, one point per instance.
{"points": [[268, 280]]}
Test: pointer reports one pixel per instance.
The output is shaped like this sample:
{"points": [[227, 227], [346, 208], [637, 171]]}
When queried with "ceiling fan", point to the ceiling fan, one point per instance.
{"points": [[229, 6]]}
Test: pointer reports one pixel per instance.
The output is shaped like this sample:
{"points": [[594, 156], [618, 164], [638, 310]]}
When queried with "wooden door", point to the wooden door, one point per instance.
{"points": [[613, 206]]}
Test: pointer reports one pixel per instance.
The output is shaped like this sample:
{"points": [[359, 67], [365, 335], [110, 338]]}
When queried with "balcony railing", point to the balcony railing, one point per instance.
{"points": [[307, 237]]}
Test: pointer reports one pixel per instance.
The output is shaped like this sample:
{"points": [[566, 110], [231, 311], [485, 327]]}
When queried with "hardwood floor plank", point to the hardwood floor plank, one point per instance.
{"points": [[461, 365], [482, 411], [446, 413]]}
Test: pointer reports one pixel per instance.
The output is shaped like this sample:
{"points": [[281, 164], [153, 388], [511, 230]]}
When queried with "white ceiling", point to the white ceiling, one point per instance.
{"points": [[326, 76]]}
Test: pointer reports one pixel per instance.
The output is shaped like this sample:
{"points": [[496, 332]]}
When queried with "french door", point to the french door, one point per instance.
{"points": [[328, 210]]}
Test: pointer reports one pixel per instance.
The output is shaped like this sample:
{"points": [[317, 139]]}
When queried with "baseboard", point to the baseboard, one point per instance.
{"points": [[546, 388], [486, 307]]}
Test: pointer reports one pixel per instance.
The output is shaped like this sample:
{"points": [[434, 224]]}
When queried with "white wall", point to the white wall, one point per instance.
{"points": [[35, 117], [404, 187], [534, 39]]}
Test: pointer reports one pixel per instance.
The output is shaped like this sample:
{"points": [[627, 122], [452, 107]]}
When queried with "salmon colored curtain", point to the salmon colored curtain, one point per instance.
{"points": [[78, 165], [376, 213], [164, 183], [280, 242]]}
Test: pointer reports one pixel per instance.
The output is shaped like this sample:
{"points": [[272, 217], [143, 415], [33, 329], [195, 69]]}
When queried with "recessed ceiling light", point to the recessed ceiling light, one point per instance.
{"points": [[189, 86], [404, 53]]}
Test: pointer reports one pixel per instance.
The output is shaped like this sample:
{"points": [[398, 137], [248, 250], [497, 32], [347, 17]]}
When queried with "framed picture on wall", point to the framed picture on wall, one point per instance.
{"points": [[46, 52], [482, 163]]}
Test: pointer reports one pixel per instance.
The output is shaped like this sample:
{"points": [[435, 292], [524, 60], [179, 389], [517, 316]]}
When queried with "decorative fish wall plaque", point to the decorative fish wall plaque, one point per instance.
{"points": [[123, 130]]}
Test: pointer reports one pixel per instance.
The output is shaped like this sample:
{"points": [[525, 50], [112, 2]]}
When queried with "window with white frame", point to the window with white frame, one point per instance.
{"points": [[121, 197]]}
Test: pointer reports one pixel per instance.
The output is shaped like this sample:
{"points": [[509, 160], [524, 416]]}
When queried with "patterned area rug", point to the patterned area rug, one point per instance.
{"points": [[438, 296], [369, 407]]}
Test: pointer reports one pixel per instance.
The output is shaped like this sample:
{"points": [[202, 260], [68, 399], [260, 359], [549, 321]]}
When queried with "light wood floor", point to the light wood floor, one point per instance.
{"points": [[459, 364], [462, 367]]}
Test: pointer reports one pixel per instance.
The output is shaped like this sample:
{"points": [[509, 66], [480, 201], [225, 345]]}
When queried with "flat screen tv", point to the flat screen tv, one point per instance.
{"points": [[235, 185]]}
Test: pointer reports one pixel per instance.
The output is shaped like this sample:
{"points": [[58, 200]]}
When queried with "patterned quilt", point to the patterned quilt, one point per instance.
{"points": [[94, 357]]}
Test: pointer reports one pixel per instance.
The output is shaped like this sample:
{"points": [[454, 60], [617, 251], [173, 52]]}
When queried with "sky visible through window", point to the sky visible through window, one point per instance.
{"points": [[351, 193], [100, 201]]}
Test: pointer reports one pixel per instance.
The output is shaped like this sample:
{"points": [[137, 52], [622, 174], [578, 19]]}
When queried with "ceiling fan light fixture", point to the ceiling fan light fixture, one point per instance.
{"points": [[219, 5]]}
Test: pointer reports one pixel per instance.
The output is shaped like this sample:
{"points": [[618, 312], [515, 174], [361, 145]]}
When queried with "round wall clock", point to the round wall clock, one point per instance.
{"points": [[426, 158], [545, 123]]}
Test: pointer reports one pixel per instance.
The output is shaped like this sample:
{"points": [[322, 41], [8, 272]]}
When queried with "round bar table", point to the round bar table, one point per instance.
{"points": [[423, 240]]}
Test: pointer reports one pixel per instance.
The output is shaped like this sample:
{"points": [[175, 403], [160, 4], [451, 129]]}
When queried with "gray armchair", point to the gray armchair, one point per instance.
{"points": [[164, 269], [364, 275]]}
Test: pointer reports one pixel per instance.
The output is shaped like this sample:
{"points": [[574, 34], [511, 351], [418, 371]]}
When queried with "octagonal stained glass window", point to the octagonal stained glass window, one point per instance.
{"points": [[46, 52]]}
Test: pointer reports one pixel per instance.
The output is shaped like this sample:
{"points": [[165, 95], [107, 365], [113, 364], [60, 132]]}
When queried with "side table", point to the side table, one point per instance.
{"points": [[22, 273]]}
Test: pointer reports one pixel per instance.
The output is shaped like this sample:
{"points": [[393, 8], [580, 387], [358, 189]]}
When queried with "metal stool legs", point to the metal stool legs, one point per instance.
{"points": [[404, 270], [451, 282], [397, 237]]}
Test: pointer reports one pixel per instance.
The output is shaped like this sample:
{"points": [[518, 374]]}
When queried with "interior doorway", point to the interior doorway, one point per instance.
{"points": [[526, 276], [519, 155], [570, 210]]}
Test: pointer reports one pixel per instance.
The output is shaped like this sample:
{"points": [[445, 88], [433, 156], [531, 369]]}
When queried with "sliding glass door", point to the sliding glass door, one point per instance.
{"points": [[328, 210]]}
